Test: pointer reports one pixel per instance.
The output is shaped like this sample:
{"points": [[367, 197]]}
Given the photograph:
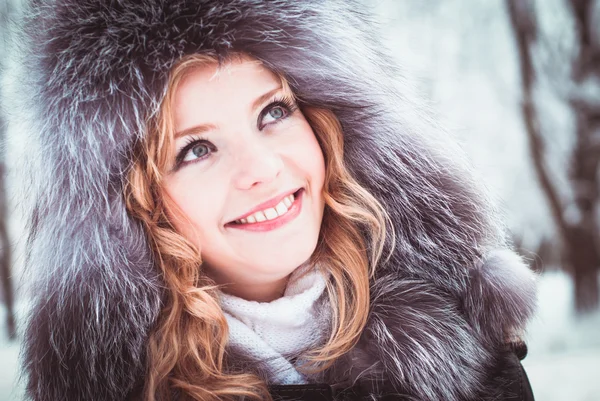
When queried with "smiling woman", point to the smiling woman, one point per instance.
{"points": [[241, 200], [249, 212], [258, 150]]}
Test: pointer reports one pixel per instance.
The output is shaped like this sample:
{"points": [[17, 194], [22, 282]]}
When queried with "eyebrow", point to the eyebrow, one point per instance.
{"points": [[263, 98], [198, 129]]}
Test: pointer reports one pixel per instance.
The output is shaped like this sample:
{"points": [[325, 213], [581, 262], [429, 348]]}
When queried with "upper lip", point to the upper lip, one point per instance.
{"points": [[270, 203]]}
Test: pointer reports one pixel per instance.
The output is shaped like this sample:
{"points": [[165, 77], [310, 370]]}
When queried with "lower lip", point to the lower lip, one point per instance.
{"points": [[269, 225]]}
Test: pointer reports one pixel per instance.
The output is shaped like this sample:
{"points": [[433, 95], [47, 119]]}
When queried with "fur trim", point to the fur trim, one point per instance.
{"points": [[500, 297], [90, 73], [421, 341]]}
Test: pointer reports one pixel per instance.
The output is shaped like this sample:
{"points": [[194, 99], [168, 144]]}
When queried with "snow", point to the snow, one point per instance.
{"points": [[572, 376], [9, 389], [564, 349]]}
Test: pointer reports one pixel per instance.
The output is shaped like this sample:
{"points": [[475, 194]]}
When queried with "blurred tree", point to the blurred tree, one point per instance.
{"points": [[578, 221], [5, 246]]}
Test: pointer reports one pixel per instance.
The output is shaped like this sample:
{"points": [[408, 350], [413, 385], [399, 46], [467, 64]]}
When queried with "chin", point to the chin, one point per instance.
{"points": [[282, 265], [278, 271]]}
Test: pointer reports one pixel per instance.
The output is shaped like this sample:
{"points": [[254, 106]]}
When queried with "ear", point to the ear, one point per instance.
{"points": [[501, 295]]}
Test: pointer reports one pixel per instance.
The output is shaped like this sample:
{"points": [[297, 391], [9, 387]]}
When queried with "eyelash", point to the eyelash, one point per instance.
{"points": [[285, 102]]}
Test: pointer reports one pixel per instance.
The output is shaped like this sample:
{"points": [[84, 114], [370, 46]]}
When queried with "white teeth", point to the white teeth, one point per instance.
{"points": [[281, 208], [270, 213]]}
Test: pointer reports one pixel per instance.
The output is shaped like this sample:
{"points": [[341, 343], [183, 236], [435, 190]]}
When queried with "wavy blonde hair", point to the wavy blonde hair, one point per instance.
{"points": [[187, 347]]}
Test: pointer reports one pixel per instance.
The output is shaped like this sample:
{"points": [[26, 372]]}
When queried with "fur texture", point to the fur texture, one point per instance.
{"points": [[91, 72]]}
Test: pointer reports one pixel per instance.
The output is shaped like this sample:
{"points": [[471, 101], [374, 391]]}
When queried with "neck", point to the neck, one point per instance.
{"points": [[259, 292]]}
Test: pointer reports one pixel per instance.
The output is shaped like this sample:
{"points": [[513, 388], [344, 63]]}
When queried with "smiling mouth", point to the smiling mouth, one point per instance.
{"points": [[273, 213]]}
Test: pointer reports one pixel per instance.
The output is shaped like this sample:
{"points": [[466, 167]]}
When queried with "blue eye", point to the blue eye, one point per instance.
{"points": [[195, 150], [277, 111]]}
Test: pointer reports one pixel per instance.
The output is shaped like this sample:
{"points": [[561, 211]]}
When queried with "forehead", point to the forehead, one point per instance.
{"points": [[234, 82]]}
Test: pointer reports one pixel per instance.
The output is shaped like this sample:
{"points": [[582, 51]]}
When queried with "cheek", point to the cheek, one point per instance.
{"points": [[306, 151], [314, 159], [320, 166], [194, 211]]}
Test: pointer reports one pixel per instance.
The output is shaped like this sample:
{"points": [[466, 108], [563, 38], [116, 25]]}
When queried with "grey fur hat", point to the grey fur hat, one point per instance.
{"points": [[87, 76]]}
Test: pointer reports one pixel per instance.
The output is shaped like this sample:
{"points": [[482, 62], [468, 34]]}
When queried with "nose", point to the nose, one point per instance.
{"points": [[256, 163]]}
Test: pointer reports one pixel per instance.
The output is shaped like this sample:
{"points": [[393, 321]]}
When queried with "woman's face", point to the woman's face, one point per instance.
{"points": [[243, 150]]}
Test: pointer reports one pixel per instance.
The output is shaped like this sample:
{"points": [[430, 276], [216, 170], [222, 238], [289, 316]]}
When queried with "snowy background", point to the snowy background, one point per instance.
{"points": [[461, 57]]}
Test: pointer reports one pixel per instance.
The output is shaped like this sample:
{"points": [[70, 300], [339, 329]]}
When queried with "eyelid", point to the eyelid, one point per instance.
{"points": [[285, 100], [191, 141], [282, 99]]}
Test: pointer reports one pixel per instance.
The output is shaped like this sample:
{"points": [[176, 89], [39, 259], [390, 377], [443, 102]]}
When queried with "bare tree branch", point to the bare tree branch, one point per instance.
{"points": [[522, 19], [589, 56], [579, 236]]}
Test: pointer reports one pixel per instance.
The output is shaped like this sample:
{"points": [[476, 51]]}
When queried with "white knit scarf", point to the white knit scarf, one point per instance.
{"points": [[271, 333]]}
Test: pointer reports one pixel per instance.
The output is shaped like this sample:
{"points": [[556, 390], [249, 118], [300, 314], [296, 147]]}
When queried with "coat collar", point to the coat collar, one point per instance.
{"points": [[425, 341], [429, 342]]}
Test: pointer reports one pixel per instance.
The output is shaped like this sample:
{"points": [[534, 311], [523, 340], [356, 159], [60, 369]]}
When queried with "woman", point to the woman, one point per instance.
{"points": [[241, 199]]}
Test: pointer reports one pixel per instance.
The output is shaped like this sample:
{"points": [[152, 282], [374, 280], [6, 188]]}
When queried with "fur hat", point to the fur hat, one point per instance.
{"points": [[88, 74]]}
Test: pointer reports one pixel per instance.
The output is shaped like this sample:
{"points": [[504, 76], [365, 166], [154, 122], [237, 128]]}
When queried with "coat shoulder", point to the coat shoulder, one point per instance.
{"points": [[509, 380]]}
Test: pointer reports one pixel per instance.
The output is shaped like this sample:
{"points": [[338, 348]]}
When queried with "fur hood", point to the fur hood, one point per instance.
{"points": [[89, 74]]}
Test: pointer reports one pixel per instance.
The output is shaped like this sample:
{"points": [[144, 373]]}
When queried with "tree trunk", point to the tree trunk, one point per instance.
{"points": [[579, 237], [5, 245], [5, 277], [584, 243], [584, 259], [5, 251]]}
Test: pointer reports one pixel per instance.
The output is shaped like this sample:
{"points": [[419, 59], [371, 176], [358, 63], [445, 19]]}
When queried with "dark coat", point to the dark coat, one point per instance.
{"points": [[87, 76], [509, 378]]}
